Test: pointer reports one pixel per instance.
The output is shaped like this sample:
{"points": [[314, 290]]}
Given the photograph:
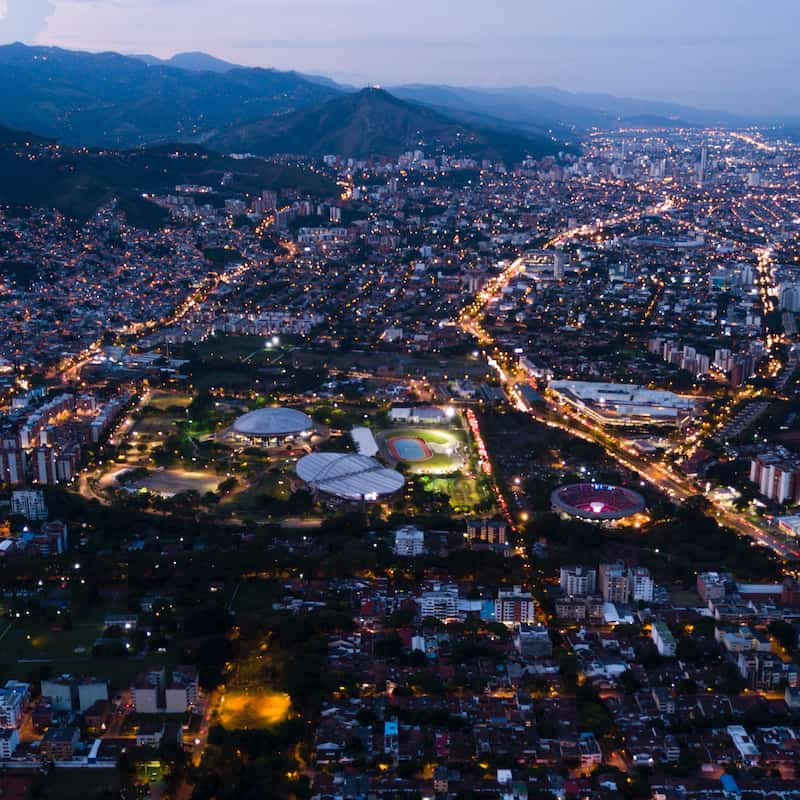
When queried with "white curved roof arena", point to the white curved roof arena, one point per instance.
{"points": [[273, 422], [348, 475]]}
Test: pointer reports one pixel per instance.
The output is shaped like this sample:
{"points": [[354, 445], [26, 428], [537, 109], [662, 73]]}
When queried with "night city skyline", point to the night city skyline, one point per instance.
{"points": [[399, 401]]}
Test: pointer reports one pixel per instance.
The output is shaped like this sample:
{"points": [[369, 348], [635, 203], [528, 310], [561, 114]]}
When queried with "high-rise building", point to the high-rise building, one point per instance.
{"points": [[67, 463], [90, 691], [29, 504], [51, 539], [9, 741], [578, 581], [723, 359], [789, 297], [641, 585], [514, 606], [13, 697], [702, 167], [12, 467], [776, 472], [67, 693], [61, 692], [441, 603], [493, 531], [714, 586], [45, 469], [614, 583], [269, 200], [409, 541]]}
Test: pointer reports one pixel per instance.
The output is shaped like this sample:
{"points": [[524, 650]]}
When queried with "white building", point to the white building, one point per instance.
{"points": [[30, 505], [9, 739], [89, 692], [441, 603], [746, 748], [419, 416], [409, 541], [663, 639], [13, 697], [176, 699], [623, 403], [146, 689], [13, 467], [641, 585], [183, 691], [59, 691], [578, 581], [777, 475], [514, 606], [145, 700], [364, 440]]}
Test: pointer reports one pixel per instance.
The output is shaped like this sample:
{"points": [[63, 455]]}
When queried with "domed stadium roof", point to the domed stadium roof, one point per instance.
{"points": [[268, 422], [349, 476]]}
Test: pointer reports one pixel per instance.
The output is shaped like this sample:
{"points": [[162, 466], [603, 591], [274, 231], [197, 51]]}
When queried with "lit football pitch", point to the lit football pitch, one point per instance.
{"points": [[425, 450]]}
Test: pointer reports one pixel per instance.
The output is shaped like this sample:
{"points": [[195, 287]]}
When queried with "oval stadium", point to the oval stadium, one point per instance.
{"points": [[272, 426], [349, 476], [596, 501]]}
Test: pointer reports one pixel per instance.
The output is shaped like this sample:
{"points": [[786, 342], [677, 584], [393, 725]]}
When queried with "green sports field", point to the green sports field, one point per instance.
{"points": [[424, 451]]}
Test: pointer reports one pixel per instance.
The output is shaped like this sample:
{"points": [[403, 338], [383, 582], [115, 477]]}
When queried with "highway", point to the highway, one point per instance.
{"points": [[70, 368], [677, 486]]}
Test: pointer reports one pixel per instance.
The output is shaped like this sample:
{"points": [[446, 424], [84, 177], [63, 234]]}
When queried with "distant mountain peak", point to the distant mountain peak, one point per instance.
{"points": [[196, 61], [373, 122], [375, 96]]}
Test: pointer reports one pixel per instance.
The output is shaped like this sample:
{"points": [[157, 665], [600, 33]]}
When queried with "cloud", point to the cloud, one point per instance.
{"points": [[24, 20], [724, 53]]}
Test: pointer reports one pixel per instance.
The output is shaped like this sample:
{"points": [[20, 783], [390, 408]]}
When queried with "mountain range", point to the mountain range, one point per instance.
{"points": [[542, 106], [547, 109], [196, 61], [108, 100]]}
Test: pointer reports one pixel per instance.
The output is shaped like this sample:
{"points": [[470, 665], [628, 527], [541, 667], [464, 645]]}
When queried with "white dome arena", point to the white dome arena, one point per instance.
{"points": [[349, 476], [272, 423]]}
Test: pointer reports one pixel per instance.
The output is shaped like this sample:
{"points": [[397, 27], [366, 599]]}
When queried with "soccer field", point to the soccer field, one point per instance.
{"points": [[425, 450]]}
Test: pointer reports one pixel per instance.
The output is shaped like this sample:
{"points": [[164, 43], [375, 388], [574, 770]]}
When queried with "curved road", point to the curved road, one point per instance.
{"points": [[675, 485]]}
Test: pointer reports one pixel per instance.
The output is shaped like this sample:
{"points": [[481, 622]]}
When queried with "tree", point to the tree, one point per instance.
{"points": [[730, 679], [687, 649], [785, 633], [568, 667], [228, 485]]}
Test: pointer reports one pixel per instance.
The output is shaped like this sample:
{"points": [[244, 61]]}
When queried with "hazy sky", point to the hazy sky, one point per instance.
{"points": [[740, 55]]}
